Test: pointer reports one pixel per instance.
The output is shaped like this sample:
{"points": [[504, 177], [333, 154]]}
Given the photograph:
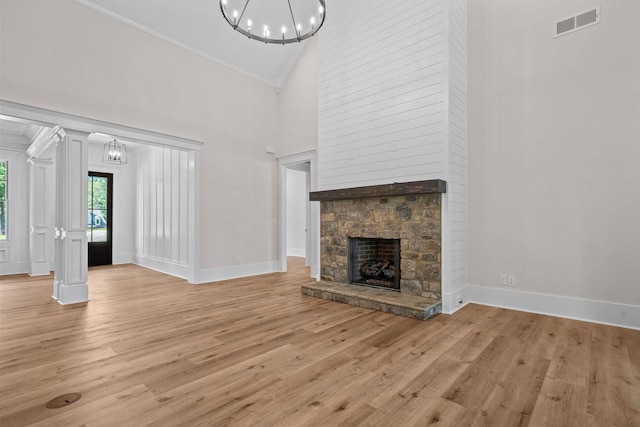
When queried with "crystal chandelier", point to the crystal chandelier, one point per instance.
{"points": [[275, 21], [114, 152]]}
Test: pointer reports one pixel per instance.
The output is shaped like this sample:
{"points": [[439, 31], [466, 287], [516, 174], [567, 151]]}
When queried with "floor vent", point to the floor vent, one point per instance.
{"points": [[578, 22], [63, 400]]}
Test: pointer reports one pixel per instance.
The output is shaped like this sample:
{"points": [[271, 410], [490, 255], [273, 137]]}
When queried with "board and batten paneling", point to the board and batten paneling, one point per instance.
{"points": [[14, 250], [163, 215], [392, 107]]}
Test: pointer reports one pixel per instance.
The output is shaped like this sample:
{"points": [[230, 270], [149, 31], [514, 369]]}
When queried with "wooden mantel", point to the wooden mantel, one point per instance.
{"points": [[396, 189]]}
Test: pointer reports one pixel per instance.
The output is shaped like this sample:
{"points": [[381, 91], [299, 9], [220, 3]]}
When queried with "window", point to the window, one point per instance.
{"points": [[3, 200], [97, 213]]}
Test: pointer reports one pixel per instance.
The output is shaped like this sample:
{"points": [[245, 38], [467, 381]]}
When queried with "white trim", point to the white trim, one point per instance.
{"points": [[282, 217], [217, 274], [193, 232], [43, 141], [50, 118], [450, 302], [163, 266], [314, 211], [40, 269], [123, 258], [445, 264], [72, 294], [14, 142], [608, 313], [297, 252], [9, 268]]}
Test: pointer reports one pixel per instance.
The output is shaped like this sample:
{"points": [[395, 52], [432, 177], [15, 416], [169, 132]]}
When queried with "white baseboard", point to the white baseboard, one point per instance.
{"points": [[14, 268], [39, 269], [73, 294], [124, 258], [608, 313], [450, 302], [235, 271], [296, 252], [163, 266]]}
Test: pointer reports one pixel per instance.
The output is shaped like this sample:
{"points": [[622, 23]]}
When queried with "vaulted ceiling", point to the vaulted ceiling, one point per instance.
{"points": [[198, 25]]}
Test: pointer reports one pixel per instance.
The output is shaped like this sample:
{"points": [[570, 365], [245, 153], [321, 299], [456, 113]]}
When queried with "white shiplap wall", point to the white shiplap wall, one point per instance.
{"points": [[382, 93], [456, 238], [163, 216], [392, 107]]}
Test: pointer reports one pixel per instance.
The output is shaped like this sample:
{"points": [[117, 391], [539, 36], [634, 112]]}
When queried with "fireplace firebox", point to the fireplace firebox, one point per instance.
{"points": [[374, 262]]}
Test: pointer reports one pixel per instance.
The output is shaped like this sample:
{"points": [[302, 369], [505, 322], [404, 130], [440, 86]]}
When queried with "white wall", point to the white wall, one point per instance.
{"points": [[297, 200], [14, 252], [298, 103], [163, 209], [554, 143], [93, 66], [124, 202], [298, 108]]}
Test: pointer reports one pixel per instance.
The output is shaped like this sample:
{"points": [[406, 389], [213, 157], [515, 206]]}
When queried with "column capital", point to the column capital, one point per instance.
{"points": [[43, 145]]}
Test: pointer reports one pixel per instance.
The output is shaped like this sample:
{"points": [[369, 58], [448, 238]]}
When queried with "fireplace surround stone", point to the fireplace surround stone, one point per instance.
{"points": [[410, 212]]}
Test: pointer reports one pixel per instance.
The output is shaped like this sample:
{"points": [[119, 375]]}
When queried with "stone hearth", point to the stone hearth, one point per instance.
{"points": [[410, 212]]}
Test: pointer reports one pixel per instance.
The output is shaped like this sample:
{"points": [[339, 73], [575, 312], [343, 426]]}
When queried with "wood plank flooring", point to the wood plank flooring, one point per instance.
{"points": [[150, 349]]}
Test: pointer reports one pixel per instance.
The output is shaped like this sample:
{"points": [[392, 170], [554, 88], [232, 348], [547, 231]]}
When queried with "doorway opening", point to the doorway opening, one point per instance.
{"points": [[298, 183], [300, 170], [99, 218]]}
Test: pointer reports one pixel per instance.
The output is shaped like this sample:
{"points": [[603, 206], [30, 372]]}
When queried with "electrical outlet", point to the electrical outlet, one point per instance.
{"points": [[511, 280], [503, 279]]}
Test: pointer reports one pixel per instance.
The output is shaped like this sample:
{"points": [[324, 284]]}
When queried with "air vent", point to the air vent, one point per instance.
{"points": [[566, 25], [578, 22], [587, 18]]}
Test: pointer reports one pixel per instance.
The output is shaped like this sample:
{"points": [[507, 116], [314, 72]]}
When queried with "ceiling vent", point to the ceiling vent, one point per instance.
{"points": [[578, 22]]}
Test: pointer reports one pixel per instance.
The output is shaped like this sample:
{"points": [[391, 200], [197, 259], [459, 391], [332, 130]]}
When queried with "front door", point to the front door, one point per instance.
{"points": [[99, 219]]}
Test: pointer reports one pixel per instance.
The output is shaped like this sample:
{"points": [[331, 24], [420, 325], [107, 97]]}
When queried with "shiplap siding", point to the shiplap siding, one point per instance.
{"points": [[382, 93], [163, 210], [392, 106], [457, 181]]}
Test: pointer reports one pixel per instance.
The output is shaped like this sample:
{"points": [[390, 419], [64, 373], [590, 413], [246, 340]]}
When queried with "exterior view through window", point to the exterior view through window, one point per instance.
{"points": [[97, 213]]}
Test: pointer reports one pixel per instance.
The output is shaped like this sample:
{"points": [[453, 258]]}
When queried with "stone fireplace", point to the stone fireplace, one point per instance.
{"points": [[359, 229]]}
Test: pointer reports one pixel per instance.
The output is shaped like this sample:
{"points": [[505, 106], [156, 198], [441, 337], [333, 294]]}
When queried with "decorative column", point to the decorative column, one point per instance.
{"points": [[70, 281], [39, 202]]}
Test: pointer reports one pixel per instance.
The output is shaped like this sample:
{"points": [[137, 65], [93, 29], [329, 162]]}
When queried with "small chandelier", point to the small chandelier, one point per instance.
{"points": [[114, 152], [275, 21]]}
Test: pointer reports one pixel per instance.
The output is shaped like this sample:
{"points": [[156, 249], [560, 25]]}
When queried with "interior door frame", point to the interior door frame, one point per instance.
{"points": [[109, 243], [313, 231]]}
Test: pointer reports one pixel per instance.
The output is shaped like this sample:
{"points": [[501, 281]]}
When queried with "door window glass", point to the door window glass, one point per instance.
{"points": [[97, 209]]}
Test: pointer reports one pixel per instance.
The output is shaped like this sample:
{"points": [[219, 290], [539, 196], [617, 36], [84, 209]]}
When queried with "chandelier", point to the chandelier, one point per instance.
{"points": [[114, 152], [275, 21]]}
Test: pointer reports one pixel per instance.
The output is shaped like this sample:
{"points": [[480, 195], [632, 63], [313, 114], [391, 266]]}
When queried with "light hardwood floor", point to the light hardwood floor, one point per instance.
{"points": [[152, 349]]}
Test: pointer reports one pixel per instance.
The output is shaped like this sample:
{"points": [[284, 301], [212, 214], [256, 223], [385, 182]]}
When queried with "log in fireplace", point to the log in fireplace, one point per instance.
{"points": [[374, 262]]}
